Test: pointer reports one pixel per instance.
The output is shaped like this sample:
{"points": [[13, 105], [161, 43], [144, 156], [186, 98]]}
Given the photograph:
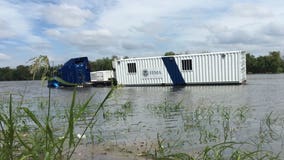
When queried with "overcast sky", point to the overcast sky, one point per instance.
{"points": [[64, 29]]}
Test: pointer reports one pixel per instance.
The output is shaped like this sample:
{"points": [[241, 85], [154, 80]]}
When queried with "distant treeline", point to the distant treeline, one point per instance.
{"points": [[22, 72], [272, 63], [19, 73]]}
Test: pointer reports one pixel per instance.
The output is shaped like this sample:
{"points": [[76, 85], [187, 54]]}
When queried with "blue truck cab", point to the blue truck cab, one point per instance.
{"points": [[74, 72]]}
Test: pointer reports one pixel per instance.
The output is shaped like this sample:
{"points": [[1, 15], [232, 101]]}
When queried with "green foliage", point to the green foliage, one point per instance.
{"points": [[120, 113], [42, 140], [265, 64], [7, 124], [213, 128], [19, 73], [236, 151], [39, 69], [101, 64], [6, 74], [22, 72], [251, 63], [218, 129], [171, 53], [163, 151]]}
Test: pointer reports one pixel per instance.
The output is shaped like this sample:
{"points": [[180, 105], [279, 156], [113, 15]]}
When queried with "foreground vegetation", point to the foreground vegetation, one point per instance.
{"points": [[219, 132], [27, 135], [205, 132]]}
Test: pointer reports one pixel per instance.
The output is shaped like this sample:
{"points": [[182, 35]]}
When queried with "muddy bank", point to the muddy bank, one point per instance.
{"points": [[109, 152]]}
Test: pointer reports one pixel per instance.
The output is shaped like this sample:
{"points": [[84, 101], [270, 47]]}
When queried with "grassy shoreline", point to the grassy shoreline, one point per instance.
{"points": [[208, 132]]}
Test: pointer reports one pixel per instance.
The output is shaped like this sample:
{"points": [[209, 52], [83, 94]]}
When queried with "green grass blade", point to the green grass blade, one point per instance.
{"points": [[91, 121], [180, 156], [47, 156], [33, 117], [71, 120], [83, 108], [26, 157], [49, 132], [11, 129], [3, 118], [23, 143]]}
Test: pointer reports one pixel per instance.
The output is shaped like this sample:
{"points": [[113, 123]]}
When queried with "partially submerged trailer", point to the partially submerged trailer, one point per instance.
{"points": [[102, 78], [75, 72], [188, 69]]}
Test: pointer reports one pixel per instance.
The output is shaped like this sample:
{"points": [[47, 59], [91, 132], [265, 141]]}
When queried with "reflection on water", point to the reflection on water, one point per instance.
{"points": [[135, 113]]}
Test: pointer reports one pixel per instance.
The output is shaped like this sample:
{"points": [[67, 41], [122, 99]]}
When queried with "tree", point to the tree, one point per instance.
{"points": [[262, 64], [251, 63], [22, 73], [171, 53], [101, 64], [271, 63], [114, 57], [275, 62], [6, 74]]}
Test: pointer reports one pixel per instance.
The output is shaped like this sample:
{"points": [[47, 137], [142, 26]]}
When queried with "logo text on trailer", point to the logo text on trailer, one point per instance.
{"points": [[145, 73], [151, 73]]}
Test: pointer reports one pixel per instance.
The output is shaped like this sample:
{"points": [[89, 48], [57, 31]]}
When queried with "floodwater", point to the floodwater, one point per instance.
{"points": [[141, 120]]}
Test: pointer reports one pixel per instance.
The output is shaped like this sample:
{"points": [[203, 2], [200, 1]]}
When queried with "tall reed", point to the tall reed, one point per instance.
{"points": [[213, 132], [7, 124], [41, 140]]}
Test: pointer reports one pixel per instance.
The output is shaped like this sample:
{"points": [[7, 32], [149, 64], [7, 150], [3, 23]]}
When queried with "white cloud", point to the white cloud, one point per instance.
{"points": [[127, 14], [38, 44], [248, 26], [65, 15], [53, 32], [17, 25], [274, 29], [128, 45], [83, 40], [183, 25], [90, 39], [137, 28], [252, 10], [4, 56], [12, 22]]}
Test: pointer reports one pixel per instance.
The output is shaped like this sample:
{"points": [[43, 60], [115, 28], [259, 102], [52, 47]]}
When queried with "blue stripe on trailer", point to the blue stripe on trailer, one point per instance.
{"points": [[173, 70]]}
